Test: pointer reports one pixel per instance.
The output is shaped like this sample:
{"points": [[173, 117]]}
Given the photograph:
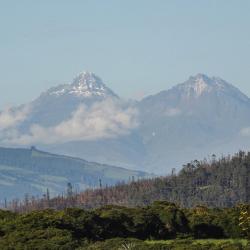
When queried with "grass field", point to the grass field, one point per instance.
{"points": [[184, 244], [205, 244], [243, 242]]}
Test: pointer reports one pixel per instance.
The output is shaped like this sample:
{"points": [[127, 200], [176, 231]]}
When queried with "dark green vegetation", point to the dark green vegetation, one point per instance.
{"points": [[215, 183], [134, 244], [199, 188], [33, 172], [101, 228]]}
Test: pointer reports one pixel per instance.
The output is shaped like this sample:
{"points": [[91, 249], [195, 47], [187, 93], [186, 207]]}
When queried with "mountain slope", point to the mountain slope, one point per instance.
{"points": [[198, 117], [32, 171]]}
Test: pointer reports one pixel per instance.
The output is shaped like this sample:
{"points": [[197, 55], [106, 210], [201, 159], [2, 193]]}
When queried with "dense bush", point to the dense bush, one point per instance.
{"points": [[72, 228], [134, 244]]}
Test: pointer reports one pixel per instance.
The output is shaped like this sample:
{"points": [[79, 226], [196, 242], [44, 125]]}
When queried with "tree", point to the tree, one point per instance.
{"points": [[244, 220], [69, 190]]}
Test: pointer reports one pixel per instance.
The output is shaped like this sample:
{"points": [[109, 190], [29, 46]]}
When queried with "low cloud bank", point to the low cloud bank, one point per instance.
{"points": [[10, 118], [106, 119]]}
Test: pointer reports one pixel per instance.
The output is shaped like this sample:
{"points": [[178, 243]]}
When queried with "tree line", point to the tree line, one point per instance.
{"points": [[222, 182]]}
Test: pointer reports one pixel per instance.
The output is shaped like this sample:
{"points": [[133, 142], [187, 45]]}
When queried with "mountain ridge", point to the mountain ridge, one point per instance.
{"points": [[202, 115]]}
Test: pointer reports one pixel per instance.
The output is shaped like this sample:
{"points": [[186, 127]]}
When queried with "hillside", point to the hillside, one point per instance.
{"points": [[215, 183], [30, 171]]}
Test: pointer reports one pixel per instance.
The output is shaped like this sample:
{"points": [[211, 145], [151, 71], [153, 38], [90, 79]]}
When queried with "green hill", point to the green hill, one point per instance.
{"points": [[30, 171]]}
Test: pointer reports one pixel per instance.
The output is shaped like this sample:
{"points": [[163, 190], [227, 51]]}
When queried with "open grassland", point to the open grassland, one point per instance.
{"points": [[185, 244]]}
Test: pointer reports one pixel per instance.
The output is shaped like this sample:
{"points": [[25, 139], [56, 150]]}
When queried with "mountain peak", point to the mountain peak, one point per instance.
{"points": [[86, 78], [200, 84], [201, 77], [88, 84], [197, 85], [85, 84]]}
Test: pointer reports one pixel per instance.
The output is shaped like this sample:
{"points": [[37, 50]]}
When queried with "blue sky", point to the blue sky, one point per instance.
{"points": [[136, 47]]}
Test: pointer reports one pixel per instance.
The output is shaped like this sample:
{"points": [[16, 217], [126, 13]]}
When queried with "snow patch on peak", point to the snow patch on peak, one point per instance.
{"points": [[58, 92], [196, 85], [87, 78], [86, 84], [200, 86]]}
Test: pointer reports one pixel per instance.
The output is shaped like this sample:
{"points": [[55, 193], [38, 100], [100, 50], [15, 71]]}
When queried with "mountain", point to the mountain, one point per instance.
{"points": [[194, 119], [33, 171], [58, 103], [86, 84], [88, 120], [80, 104]]}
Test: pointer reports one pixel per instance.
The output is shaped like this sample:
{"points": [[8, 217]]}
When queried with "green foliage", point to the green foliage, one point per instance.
{"points": [[244, 220], [133, 244], [172, 217], [96, 229], [214, 223], [40, 239]]}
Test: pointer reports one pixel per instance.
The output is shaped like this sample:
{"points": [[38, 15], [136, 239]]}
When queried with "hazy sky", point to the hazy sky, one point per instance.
{"points": [[136, 46]]}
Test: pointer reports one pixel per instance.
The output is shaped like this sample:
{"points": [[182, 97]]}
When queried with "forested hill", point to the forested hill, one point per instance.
{"points": [[215, 183], [33, 172]]}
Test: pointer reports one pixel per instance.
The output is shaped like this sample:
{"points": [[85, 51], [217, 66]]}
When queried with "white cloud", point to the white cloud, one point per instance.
{"points": [[105, 119], [9, 118], [245, 131], [172, 112]]}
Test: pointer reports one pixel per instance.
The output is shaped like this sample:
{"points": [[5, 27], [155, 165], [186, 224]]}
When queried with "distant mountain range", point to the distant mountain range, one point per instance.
{"points": [[85, 119], [32, 172]]}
